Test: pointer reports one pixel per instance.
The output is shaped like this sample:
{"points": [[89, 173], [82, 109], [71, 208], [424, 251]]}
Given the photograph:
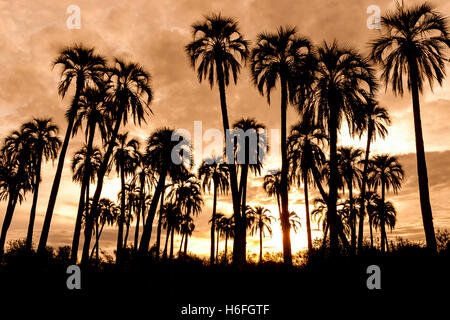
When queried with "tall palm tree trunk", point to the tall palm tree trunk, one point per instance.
{"points": [[98, 190], [362, 204], [62, 155], [325, 233], [55, 187], [166, 242], [260, 242], [7, 221], [78, 222], [171, 244], [239, 255], [308, 222], [371, 233], [287, 253], [83, 204], [352, 218], [427, 216], [181, 245], [226, 247], [213, 224], [158, 230], [382, 219], [332, 194], [147, 232], [37, 181], [122, 213], [138, 215], [243, 197], [217, 246], [186, 244]]}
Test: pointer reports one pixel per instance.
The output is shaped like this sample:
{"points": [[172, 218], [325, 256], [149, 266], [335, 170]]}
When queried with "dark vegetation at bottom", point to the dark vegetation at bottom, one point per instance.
{"points": [[160, 289]]}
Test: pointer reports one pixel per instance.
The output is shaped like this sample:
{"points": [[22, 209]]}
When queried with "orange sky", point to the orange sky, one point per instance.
{"points": [[153, 33]]}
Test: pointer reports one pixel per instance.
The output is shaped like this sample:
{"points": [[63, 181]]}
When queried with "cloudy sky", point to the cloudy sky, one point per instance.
{"points": [[154, 33]]}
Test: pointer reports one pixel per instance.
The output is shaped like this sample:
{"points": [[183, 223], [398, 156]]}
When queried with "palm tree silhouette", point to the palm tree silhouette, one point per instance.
{"points": [[144, 178], [226, 226], [16, 177], [348, 161], [42, 135], [159, 154], [108, 213], [345, 81], [126, 159], [305, 156], [186, 193], [377, 118], [214, 174], [414, 43], [254, 152], [218, 228], [171, 219], [215, 50], [80, 162], [82, 67], [91, 109], [129, 92], [387, 172], [132, 203], [272, 186], [260, 222], [384, 214], [187, 227], [281, 56]]}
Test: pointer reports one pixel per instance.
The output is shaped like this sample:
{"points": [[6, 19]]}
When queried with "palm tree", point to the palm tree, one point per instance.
{"points": [[187, 227], [387, 172], [144, 178], [371, 201], [82, 67], [108, 213], [186, 193], [217, 226], [214, 175], [159, 154], [215, 50], [345, 81], [414, 44], [260, 223], [281, 56], [348, 161], [17, 172], [377, 118], [45, 144], [250, 150], [319, 214], [91, 109], [272, 186], [125, 157], [132, 203], [129, 92], [226, 225], [305, 156], [83, 159], [171, 219], [294, 221], [384, 214]]}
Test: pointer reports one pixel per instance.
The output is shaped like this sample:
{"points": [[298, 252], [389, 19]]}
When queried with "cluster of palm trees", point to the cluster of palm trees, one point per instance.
{"points": [[327, 84]]}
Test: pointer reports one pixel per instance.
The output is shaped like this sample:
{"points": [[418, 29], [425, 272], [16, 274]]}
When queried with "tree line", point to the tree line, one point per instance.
{"points": [[327, 84]]}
